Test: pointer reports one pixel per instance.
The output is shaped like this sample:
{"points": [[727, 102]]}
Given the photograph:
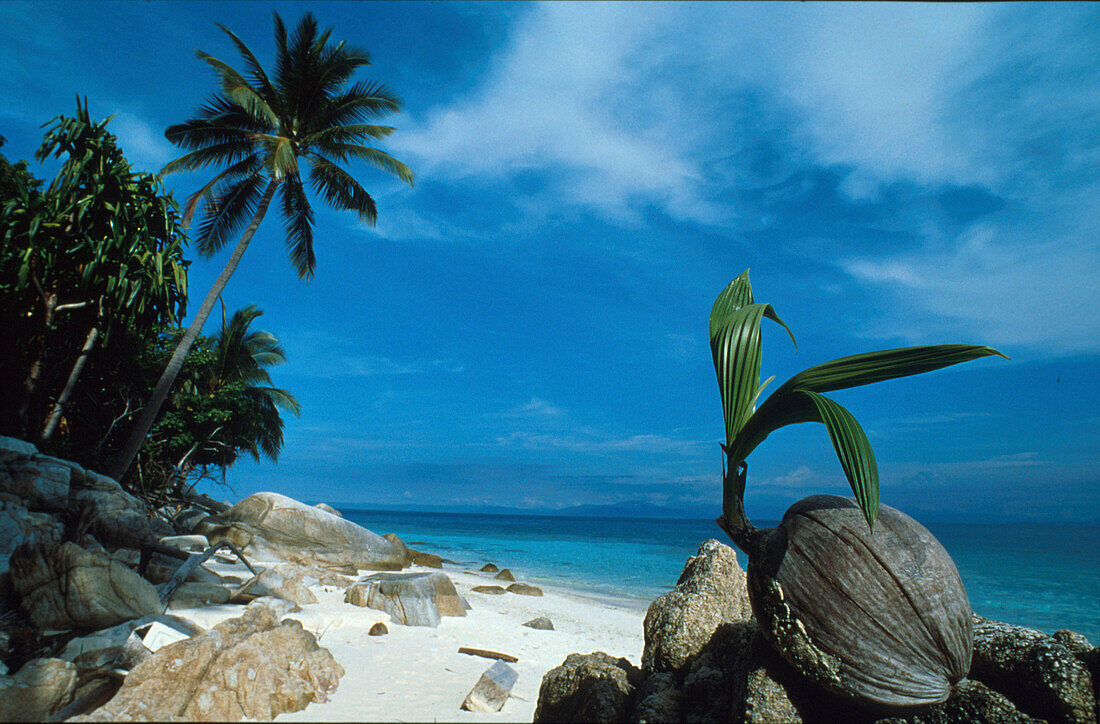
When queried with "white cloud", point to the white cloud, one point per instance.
{"points": [[145, 146]]}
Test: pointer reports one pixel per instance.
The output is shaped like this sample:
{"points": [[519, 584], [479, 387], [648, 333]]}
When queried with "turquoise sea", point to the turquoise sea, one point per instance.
{"points": [[1045, 577]]}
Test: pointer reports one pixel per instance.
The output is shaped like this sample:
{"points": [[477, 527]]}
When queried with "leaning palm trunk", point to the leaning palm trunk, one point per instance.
{"points": [[175, 364]]}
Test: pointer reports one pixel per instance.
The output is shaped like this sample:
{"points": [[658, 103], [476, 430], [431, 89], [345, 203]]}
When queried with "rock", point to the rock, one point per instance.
{"points": [[64, 587], [118, 518], [413, 599], [329, 509], [13, 446], [428, 560], [189, 518], [492, 689], [247, 667], [711, 590], [1075, 643], [37, 691], [378, 629], [489, 568], [196, 595], [17, 524], [291, 581], [591, 688], [39, 481], [659, 700], [524, 589], [1038, 674], [285, 528], [492, 590], [972, 701], [541, 623], [504, 575], [186, 543]]}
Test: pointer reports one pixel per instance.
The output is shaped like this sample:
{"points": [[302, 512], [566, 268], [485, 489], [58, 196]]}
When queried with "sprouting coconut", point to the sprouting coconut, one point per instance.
{"points": [[861, 599]]}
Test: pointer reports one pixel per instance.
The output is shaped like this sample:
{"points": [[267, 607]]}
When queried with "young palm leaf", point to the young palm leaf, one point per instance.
{"points": [[736, 348]]}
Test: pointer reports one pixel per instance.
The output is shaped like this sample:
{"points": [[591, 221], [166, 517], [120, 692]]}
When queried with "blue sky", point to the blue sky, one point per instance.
{"points": [[527, 326]]}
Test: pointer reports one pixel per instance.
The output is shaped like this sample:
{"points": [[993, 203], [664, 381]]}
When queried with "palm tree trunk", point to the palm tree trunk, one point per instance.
{"points": [[164, 384], [74, 375]]}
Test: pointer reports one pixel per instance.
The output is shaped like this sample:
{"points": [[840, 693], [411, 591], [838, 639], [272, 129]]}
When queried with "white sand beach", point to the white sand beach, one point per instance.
{"points": [[415, 673]]}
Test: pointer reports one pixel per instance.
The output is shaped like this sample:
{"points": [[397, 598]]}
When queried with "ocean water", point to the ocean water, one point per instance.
{"points": [[1045, 577]]}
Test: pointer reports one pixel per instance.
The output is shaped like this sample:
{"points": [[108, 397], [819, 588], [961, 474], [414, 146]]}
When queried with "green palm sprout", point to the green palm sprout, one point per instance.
{"points": [[735, 344]]}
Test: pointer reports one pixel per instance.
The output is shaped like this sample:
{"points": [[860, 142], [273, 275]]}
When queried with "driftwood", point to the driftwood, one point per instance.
{"points": [[486, 654], [492, 689], [194, 560], [879, 616]]}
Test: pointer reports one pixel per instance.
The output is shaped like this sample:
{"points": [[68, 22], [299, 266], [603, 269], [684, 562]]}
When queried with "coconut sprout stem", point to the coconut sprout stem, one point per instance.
{"points": [[733, 520]]}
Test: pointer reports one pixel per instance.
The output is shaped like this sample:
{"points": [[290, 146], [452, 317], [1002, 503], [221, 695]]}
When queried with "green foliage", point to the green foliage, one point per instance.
{"points": [[223, 405], [100, 249], [736, 348]]}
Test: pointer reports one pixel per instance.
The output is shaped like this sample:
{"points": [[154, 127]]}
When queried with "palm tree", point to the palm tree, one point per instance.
{"points": [[237, 374], [260, 129]]}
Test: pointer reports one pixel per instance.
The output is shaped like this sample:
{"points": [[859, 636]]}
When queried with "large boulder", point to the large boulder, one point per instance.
{"points": [[291, 582], [37, 691], [63, 586], [17, 524], [590, 688], [269, 523], [413, 599], [711, 591], [40, 482], [117, 518], [250, 667], [1039, 674]]}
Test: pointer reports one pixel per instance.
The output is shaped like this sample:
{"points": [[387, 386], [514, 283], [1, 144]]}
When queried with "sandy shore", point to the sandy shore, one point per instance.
{"points": [[415, 673]]}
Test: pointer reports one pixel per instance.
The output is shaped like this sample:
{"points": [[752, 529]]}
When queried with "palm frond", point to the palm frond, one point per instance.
{"points": [[298, 222], [256, 71], [209, 156], [241, 168], [228, 210], [339, 190], [853, 449], [240, 91], [379, 159]]}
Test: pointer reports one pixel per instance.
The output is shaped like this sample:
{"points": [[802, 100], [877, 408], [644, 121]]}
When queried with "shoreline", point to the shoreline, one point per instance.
{"points": [[415, 673]]}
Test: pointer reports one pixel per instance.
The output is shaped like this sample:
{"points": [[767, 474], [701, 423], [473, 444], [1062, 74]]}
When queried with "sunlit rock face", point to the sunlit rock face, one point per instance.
{"points": [[879, 616]]}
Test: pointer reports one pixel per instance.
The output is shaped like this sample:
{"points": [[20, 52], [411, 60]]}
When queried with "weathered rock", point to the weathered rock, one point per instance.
{"points": [[1074, 642], [428, 560], [413, 599], [1039, 675], [378, 629], [489, 568], [492, 590], [285, 528], [492, 689], [186, 543], [17, 524], [329, 509], [117, 518], [39, 481], [196, 595], [504, 575], [36, 691], [591, 688], [659, 701], [107, 646], [711, 590], [524, 589], [881, 618], [291, 581], [247, 667], [541, 623], [972, 701], [63, 586]]}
